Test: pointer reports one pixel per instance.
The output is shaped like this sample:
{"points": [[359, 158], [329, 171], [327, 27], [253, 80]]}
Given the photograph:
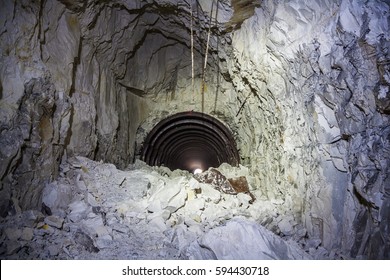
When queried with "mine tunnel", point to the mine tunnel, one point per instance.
{"points": [[107, 106], [190, 141]]}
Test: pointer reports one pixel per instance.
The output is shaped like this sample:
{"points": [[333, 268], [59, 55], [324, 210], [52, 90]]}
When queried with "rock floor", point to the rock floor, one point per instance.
{"points": [[95, 211]]}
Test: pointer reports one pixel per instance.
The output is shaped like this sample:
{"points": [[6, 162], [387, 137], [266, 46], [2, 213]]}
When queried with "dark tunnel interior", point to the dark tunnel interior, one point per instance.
{"points": [[190, 141]]}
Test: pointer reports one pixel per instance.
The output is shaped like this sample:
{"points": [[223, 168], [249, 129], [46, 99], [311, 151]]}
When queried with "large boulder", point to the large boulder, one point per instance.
{"points": [[244, 240]]}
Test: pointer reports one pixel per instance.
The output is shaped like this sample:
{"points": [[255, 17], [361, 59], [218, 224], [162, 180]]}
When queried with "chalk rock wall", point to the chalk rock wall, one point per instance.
{"points": [[314, 81], [35, 111], [304, 87], [58, 96]]}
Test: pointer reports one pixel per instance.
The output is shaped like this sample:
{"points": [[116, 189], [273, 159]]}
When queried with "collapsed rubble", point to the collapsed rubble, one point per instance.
{"points": [[95, 211]]}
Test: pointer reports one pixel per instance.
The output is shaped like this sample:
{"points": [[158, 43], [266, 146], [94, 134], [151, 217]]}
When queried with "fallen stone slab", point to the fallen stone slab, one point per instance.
{"points": [[221, 183], [95, 227], [286, 227], [165, 193], [85, 241], [209, 193], [194, 205], [216, 179], [240, 185], [27, 234], [157, 223], [54, 221], [78, 210], [242, 239], [13, 233], [177, 201], [137, 184], [56, 197], [53, 250], [154, 206]]}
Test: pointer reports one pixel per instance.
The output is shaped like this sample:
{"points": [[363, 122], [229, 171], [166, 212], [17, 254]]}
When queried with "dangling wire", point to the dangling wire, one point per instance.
{"points": [[218, 66], [192, 55], [205, 57]]}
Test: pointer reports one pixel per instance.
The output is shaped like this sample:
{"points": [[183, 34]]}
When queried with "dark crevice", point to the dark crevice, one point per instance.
{"points": [[76, 63]]}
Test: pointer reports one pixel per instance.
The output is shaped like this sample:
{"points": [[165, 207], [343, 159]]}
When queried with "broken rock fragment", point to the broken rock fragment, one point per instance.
{"points": [[222, 184], [240, 185], [217, 180], [242, 239], [86, 241], [54, 221], [171, 196]]}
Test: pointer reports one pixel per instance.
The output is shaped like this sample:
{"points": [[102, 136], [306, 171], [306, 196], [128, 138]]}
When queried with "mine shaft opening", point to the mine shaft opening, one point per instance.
{"points": [[190, 141]]}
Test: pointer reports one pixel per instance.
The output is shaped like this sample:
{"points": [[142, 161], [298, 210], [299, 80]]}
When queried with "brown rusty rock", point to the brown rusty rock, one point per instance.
{"points": [[240, 185], [216, 179], [222, 184]]}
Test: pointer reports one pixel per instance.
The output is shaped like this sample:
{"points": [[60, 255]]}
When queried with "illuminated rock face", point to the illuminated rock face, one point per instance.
{"points": [[304, 88]]}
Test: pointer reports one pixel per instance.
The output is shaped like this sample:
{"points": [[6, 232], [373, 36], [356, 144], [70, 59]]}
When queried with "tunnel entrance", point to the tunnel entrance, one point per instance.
{"points": [[190, 141]]}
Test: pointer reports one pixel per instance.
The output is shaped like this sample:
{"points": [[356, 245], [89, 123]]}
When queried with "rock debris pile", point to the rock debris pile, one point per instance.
{"points": [[95, 211]]}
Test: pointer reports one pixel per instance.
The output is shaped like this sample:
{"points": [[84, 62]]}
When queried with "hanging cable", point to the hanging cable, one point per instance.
{"points": [[192, 54], [205, 58], [218, 66]]}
